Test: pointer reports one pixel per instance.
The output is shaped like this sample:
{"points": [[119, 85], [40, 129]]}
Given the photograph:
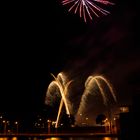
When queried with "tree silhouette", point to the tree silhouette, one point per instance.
{"points": [[67, 120], [100, 119]]}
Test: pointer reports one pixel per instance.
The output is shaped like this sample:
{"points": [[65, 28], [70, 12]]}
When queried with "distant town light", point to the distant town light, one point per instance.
{"points": [[48, 121], [124, 109]]}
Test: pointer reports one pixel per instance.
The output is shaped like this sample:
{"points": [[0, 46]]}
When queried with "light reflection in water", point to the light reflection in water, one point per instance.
{"points": [[14, 138], [6, 138], [57, 138], [91, 138], [109, 138], [3, 138], [53, 138], [106, 138]]}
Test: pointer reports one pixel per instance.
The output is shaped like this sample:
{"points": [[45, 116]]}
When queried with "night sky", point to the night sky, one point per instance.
{"points": [[40, 38]]}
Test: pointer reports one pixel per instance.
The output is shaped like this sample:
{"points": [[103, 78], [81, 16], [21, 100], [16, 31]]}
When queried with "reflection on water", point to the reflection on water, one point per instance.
{"points": [[53, 138], [3, 138], [109, 138], [57, 138]]}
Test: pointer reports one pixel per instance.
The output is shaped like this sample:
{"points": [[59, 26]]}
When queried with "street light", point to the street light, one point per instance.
{"points": [[49, 125], [16, 123], [5, 126], [80, 118], [86, 118]]}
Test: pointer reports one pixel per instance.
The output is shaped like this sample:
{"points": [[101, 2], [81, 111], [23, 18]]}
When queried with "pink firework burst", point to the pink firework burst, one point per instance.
{"points": [[87, 7]]}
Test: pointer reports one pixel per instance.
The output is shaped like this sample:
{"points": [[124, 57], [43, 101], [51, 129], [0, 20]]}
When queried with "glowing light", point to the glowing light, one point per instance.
{"points": [[61, 104], [107, 138], [124, 109], [5, 138], [92, 80], [87, 8], [53, 138], [14, 138], [62, 84]]}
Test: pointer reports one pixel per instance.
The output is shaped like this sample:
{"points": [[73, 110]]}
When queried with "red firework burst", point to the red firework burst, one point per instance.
{"points": [[87, 7]]}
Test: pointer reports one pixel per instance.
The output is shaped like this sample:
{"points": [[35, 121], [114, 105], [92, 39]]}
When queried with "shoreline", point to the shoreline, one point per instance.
{"points": [[60, 135]]}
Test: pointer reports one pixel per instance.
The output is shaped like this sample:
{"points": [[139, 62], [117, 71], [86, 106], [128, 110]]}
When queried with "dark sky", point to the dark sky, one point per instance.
{"points": [[40, 38]]}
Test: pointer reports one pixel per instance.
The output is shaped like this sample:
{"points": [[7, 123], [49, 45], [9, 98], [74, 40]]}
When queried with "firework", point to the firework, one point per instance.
{"points": [[87, 8]]}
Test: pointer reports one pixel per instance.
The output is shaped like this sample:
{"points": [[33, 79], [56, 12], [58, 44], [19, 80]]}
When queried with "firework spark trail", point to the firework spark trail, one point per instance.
{"points": [[101, 91], [61, 103], [61, 83], [49, 97], [89, 85], [87, 7], [109, 86], [59, 112], [88, 90], [62, 80], [58, 83]]}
